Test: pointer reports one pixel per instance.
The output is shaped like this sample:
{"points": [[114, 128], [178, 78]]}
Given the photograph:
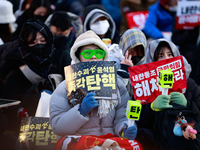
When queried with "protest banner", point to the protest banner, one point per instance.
{"points": [[137, 19], [144, 78], [94, 76], [188, 14], [36, 133]]}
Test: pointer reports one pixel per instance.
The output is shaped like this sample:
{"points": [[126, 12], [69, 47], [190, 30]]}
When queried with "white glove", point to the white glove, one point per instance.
{"points": [[116, 52]]}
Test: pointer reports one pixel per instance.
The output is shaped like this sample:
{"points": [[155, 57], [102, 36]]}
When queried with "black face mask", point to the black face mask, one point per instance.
{"points": [[60, 36], [42, 18], [136, 59], [38, 49]]}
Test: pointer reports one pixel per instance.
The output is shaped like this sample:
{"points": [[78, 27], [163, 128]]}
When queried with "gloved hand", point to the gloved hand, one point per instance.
{"points": [[161, 102], [87, 104], [178, 98], [129, 132], [116, 52]]}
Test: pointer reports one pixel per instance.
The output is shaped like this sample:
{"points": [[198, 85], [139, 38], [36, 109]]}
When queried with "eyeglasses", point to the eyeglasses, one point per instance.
{"points": [[87, 54]]}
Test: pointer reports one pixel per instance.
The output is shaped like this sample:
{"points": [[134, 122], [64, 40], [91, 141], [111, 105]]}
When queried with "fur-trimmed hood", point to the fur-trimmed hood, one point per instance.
{"points": [[87, 38]]}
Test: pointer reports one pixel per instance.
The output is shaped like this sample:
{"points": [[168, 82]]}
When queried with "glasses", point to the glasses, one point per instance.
{"points": [[87, 54]]}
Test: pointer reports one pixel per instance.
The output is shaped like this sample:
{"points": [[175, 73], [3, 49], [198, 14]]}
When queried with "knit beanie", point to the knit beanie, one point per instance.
{"points": [[88, 38]]}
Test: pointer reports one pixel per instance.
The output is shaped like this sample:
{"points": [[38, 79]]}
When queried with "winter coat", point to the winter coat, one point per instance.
{"points": [[130, 39], [67, 120], [14, 56], [88, 14], [147, 117], [159, 20]]}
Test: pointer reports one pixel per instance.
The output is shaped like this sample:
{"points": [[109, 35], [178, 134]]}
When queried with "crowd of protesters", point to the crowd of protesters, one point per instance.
{"points": [[38, 38]]}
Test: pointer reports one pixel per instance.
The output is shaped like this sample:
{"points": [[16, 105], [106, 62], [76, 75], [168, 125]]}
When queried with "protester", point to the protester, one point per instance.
{"points": [[127, 6], [6, 18], [38, 9], [28, 63], [160, 18], [96, 18], [70, 21], [77, 120], [159, 50], [133, 44], [65, 24]]}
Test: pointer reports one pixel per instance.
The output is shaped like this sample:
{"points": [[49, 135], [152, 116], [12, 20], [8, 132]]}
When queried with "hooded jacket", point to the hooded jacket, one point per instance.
{"points": [[159, 20], [130, 39], [15, 54], [192, 92], [89, 14], [67, 120], [147, 117]]}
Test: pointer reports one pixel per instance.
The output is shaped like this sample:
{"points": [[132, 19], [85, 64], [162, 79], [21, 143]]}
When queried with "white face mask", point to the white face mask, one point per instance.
{"points": [[100, 27], [173, 9]]}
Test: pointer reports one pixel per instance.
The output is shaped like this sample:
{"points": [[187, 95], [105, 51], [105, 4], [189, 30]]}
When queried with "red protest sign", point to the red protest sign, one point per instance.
{"points": [[144, 78], [137, 19], [188, 14]]}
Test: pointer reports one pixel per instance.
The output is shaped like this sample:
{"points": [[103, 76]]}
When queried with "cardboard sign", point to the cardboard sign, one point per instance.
{"points": [[144, 78], [137, 19], [94, 76], [188, 14], [36, 133]]}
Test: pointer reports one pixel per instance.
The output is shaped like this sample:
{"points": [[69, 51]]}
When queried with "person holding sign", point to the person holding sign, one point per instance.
{"points": [[159, 50], [83, 119], [162, 49], [133, 44]]}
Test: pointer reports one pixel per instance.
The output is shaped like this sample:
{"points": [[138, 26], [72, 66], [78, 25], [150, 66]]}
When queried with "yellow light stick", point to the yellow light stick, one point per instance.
{"points": [[133, 110], [165, 80]]}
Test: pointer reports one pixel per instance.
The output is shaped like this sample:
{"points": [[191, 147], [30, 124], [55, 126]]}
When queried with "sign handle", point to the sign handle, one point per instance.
{"points": [[131, 122], [164, 91]]}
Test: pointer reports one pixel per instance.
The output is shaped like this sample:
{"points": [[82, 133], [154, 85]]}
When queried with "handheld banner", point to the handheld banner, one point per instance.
{"points": [[188, 14], [144, 78], [36, 133], [137, 19], [95, 76], [133, 111]]}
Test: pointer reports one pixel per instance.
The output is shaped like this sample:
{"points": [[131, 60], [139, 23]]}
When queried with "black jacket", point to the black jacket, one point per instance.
{"points": [[145, 124]]}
